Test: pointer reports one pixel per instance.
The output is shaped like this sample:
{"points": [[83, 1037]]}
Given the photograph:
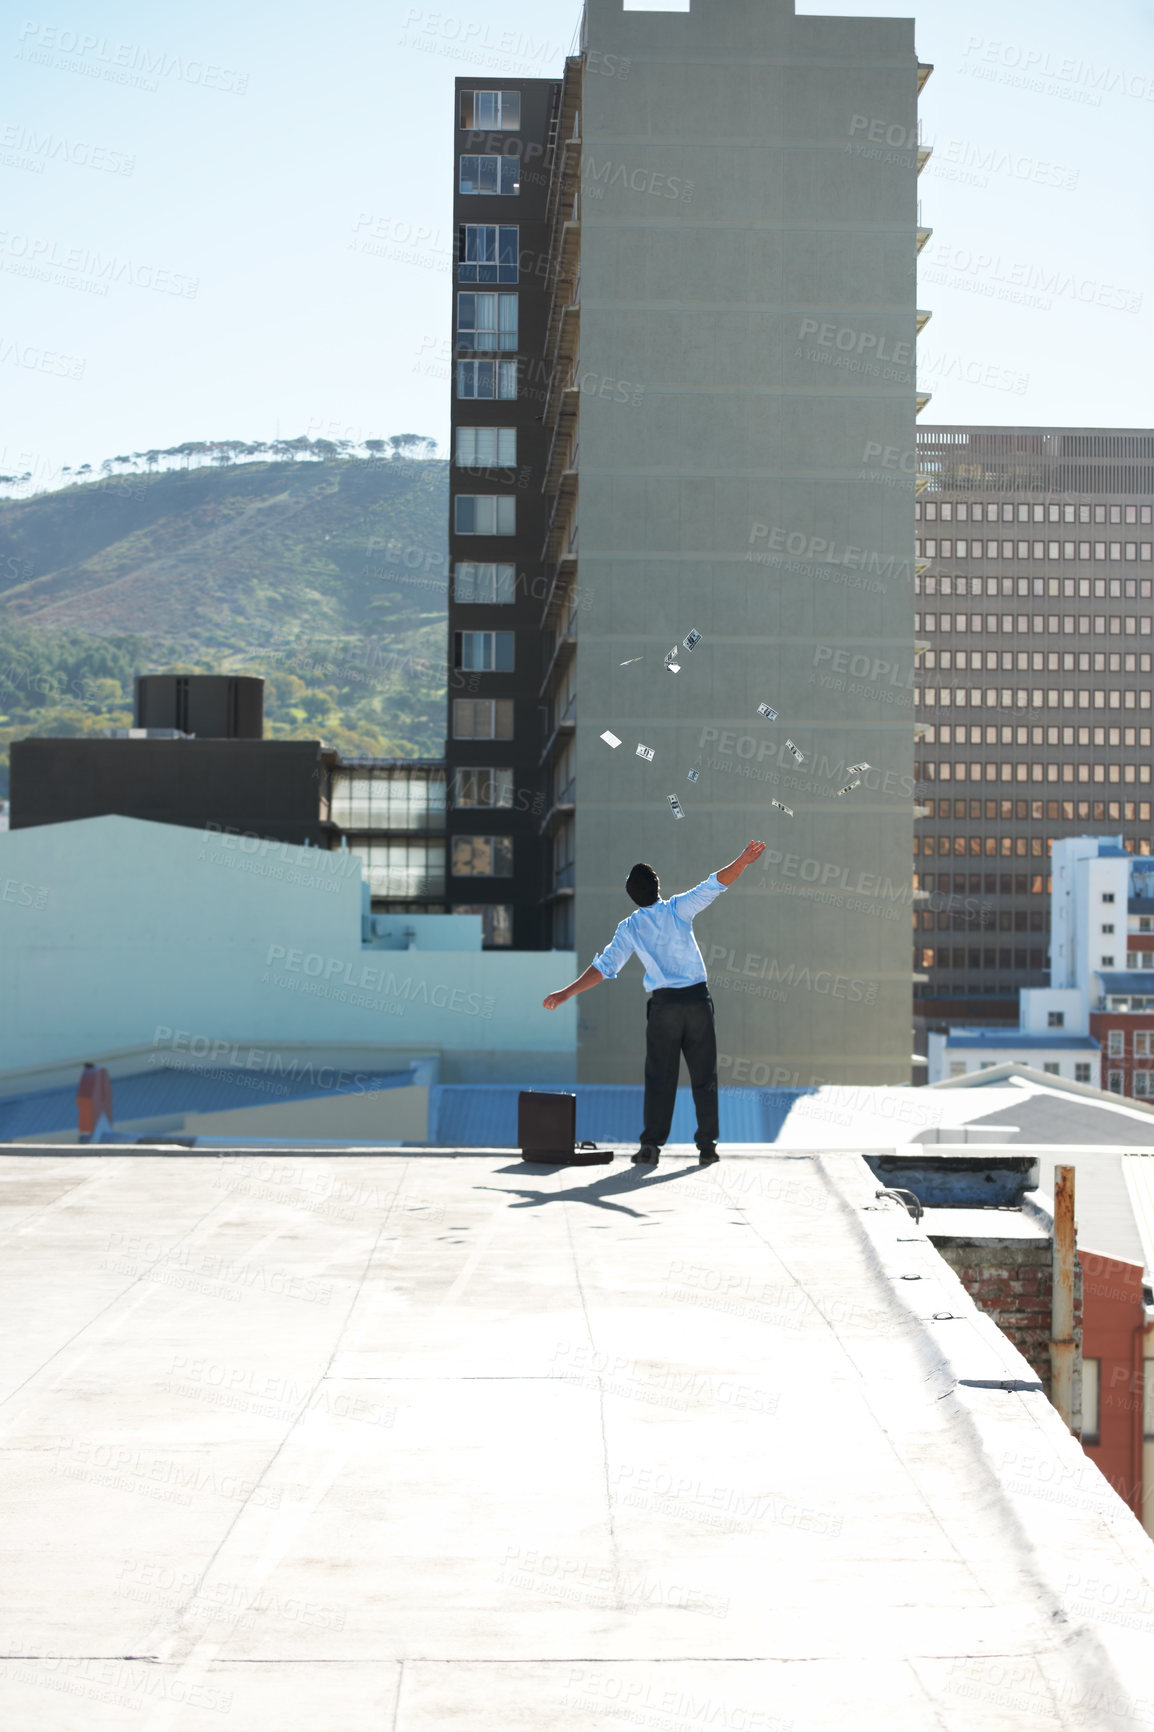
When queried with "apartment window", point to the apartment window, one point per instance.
{"points": [[487, 253], [496, 922], [957, 1067], [489, 585], [482, 718], [486, 448], [1107, 896], [1056, 1019], [1143, 1045], [482, 857], [483, 652], [1091, 1400], [1114, 1082], [486, 322], [487, 379], [490, 110], [1142, 1081], [369, 800], [563, 926], [483, 787], [490, 174], [401, 871], [1117, 1043], [1108, 929], [1081, 1073], [485, 514], [1106, 962], [1052, 1069]]}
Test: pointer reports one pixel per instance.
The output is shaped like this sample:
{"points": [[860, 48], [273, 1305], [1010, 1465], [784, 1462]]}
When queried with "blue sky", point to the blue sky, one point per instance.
{"points": [[276, 197]]}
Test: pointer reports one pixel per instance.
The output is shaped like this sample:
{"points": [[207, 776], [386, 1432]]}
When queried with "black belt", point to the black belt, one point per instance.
{"points": [[699, 990]]}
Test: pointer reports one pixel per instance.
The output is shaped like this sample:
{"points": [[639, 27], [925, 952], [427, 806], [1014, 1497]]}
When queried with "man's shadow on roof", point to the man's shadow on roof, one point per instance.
{"points": [[596, 1193]]}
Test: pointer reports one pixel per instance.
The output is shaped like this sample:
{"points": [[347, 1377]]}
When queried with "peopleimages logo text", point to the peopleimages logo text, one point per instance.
{"points": [[794, 544]]}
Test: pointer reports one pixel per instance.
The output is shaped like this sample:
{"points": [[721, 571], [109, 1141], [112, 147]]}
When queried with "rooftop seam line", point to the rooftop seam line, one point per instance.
{"points": [[271, 1463], [600, 1411]]}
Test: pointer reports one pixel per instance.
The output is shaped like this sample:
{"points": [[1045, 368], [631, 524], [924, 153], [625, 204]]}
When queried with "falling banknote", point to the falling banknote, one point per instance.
{"points": [[645, 752], [671, 661], [631, 661], [692, 777], [611, 739], [797, 752], [849, 787], [691, 642], [788, 810], [764, 710], [675, 806], [857, 769]]}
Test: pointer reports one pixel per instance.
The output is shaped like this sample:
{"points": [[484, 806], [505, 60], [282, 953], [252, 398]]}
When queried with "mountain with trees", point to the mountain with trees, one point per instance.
{"points": [[320, 565]]}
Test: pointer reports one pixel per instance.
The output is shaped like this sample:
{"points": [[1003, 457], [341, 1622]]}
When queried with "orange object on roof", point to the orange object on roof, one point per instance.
{"points": [[93, 1098]]}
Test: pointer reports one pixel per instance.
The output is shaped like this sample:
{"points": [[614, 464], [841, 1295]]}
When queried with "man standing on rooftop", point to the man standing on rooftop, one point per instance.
{"points": [[679, 1015]]}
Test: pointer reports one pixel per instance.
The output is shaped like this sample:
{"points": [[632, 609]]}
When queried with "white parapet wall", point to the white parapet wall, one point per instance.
{"points": [[120, 936]]}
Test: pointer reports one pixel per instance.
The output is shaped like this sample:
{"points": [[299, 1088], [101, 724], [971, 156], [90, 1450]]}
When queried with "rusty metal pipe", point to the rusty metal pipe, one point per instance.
{"points": [[1063, 1347]]}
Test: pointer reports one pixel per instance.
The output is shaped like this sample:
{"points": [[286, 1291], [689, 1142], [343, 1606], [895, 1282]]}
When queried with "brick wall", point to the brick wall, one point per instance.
{"points": [[1130, 1062], [1012, 1282]]}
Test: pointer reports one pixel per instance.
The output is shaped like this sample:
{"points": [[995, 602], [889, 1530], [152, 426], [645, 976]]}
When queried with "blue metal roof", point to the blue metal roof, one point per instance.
{"points": [[1128, 980], [169, 1093], [484, 1115], [1049, 1040]]}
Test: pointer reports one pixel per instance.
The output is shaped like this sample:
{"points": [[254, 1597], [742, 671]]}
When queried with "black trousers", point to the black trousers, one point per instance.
{"points": [[680, 1020]]}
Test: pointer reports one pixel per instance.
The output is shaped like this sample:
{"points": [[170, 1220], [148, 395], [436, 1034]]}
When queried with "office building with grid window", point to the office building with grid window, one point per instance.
{"points": [[1035, 615], [689, 313], [1095, 1022]]}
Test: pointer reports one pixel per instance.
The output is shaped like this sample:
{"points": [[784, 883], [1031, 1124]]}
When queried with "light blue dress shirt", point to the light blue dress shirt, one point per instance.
{"points": [[662, 936]]}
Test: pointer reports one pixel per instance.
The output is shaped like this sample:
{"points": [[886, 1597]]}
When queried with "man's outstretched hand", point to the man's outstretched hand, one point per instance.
{"points": [[591, 977], [731, 873]]}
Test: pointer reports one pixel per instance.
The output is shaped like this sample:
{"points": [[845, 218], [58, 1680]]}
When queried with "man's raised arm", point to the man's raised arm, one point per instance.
{"points": [[731, 873], [591, 977]]}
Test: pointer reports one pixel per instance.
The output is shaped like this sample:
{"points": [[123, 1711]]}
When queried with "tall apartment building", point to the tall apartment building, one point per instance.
{"points": [[1035, 608], [501, 296], [685, 322]]}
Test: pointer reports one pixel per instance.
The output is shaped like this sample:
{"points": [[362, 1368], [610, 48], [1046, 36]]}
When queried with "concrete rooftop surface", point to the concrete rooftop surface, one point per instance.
{"points": [[414, 1441]]}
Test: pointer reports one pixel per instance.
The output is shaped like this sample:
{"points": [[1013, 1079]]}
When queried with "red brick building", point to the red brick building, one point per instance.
{"points": [[1116, 1340]]}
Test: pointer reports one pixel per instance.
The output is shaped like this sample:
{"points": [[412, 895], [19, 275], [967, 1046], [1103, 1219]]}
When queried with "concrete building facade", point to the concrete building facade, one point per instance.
{"points": [[729, 347], [1035, 610]]}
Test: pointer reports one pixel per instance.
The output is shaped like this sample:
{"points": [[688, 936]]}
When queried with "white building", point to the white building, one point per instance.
{"points": [[1101, 974], [138, 945]]}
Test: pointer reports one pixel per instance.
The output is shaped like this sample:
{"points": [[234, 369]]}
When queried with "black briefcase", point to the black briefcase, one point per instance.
{"points": [[547, 1132]]}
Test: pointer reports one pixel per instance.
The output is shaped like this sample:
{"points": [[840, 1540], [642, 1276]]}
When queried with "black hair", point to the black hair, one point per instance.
{"points": [[642, 885]]}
